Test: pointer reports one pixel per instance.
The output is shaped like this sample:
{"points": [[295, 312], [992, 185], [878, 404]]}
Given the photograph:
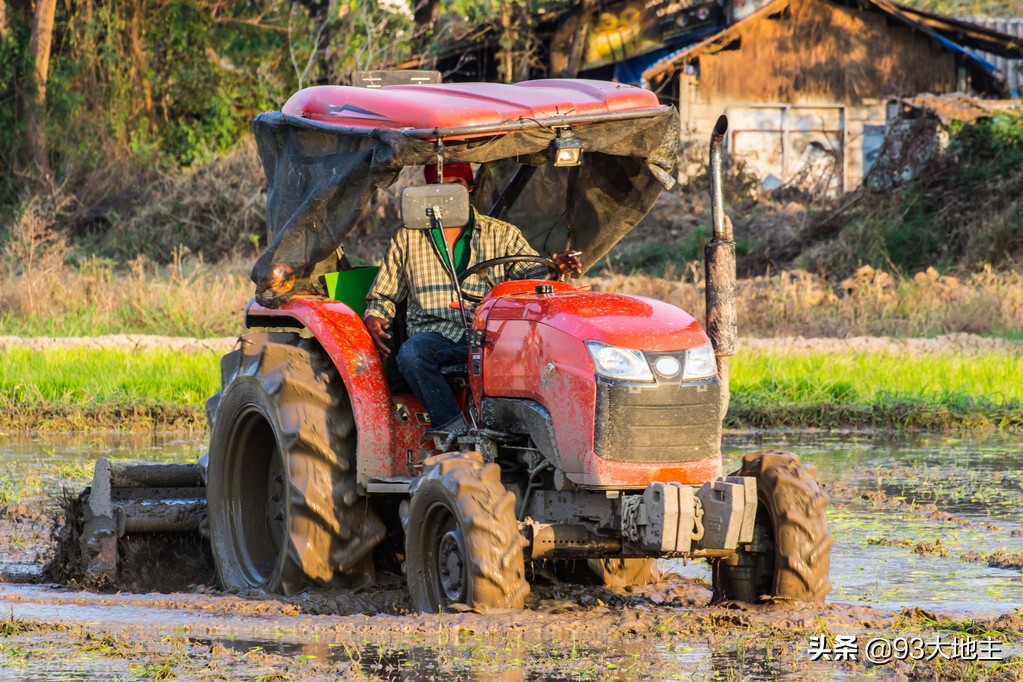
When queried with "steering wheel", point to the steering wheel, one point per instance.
{"points": [[553, 273]]}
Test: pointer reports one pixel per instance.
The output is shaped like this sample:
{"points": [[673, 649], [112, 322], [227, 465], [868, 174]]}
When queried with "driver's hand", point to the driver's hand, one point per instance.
{"points": [[378, 327], [568, 261]]}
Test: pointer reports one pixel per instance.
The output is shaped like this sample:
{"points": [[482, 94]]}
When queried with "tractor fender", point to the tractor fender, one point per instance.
{"points": [[345, 339]]}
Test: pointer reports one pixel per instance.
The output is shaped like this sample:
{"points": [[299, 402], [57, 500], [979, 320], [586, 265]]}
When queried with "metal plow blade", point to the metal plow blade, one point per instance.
{"points": [[134, 499]]}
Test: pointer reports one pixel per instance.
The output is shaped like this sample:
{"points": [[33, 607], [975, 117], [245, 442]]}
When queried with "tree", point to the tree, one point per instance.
{"points": [[34, 101], [4, 30]]}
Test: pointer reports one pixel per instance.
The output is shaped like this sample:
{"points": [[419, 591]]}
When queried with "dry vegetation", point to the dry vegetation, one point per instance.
{"points": [[46, 290], [872, 302], [194, 299], [44, 293], [216, 209], [969, 8]]}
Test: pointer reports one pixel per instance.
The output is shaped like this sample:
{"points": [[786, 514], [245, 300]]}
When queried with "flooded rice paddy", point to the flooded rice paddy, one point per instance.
{"points": [[926, 529], [905, 510]]}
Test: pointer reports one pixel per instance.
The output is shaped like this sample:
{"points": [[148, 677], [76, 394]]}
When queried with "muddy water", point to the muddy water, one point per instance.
{"points": [[904, 511], [892, 548]]}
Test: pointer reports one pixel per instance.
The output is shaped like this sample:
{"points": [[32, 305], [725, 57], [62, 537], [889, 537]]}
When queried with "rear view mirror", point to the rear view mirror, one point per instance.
{"points": [[417, 203]]}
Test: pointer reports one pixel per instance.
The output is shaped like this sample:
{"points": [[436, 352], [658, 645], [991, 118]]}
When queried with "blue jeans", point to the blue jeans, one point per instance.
{"points": [[420, 359]]}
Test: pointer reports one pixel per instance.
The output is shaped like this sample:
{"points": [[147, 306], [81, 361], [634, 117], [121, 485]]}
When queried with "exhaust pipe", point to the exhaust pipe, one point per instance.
{"points": [[719, 269]]}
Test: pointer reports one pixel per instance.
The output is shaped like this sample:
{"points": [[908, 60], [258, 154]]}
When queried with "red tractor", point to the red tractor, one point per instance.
{"points": [[596, 417]]}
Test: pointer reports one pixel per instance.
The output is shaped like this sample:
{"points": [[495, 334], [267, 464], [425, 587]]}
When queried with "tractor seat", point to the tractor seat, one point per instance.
{"points": [[455, 368]]}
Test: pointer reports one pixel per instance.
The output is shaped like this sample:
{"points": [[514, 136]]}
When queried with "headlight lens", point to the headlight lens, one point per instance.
{"points": [[619, 363], [700, 363]]}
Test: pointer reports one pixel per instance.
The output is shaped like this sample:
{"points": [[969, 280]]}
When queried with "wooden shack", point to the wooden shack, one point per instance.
{"points": [[806, 84]]}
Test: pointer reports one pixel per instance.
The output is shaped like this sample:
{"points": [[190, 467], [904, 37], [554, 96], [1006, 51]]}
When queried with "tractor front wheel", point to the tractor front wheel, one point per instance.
{"points": [[791, 549], [462, 540]]}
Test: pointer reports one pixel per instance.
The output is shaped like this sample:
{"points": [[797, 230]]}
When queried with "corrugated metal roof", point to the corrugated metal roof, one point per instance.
{"points": [[960, 31], [1010, 67]]}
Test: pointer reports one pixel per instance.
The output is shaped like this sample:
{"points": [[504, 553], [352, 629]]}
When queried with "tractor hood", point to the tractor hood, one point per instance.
{"points": [[616, 319], [332, 147]]}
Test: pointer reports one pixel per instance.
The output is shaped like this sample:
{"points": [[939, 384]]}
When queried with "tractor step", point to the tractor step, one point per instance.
{"points": [[128, 499]]}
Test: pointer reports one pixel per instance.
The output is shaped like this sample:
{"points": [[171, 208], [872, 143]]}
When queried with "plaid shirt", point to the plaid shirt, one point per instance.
{"points": [[413, 269]]}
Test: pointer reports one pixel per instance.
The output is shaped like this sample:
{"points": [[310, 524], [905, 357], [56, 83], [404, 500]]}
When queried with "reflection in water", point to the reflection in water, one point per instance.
{"points": [[409, 663], [419, 663]]}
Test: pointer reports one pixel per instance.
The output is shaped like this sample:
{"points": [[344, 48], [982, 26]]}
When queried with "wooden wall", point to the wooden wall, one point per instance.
{"points": [[812, 50]]}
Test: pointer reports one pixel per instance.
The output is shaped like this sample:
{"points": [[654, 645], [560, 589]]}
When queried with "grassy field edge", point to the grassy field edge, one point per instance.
{"points": [[100, 389]]}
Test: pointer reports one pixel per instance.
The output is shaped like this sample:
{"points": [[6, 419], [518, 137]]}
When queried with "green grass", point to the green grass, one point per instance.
{"points": [[80, 387], [877, 390], [101, 389]]}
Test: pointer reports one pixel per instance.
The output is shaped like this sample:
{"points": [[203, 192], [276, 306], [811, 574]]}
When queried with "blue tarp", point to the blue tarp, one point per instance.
{"points": [[631, 70]]}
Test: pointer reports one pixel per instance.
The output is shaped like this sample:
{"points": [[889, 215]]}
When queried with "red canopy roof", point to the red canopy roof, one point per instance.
{"points": [[456, 105]]}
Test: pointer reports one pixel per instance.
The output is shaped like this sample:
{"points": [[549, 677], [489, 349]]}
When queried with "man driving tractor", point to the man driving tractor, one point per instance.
{"points": [[413, 270]]}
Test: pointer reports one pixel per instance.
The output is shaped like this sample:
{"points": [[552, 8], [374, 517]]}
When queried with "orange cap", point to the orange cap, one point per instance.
{"points": [[457, 170]]}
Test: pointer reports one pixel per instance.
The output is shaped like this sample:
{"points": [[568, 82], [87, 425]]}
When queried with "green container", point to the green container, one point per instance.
{"points": [[351, 286]]}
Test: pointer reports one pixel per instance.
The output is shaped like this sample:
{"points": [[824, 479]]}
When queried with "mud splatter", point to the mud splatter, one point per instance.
{"points": [[997, 559], [935, 548], [855, 496]]}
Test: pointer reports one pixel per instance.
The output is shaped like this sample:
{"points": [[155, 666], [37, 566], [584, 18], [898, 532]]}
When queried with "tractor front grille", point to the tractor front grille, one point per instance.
{"points": [[659, 422]]}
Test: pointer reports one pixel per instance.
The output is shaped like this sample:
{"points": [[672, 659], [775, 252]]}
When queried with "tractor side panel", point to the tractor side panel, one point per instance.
{"points": [[527, 359], [345, 339], [410, 420]]}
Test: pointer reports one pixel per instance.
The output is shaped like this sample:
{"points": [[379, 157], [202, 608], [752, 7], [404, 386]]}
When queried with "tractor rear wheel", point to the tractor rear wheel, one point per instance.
{"points": [[790, 554], [284, 512], [462, 540]]}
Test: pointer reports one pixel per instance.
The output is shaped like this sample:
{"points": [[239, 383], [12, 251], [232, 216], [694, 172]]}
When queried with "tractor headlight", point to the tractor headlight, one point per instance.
{"points": [[700, 363], [623, 364]]}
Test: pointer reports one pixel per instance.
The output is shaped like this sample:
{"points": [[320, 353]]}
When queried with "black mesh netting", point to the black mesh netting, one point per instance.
{"points": [[320, 179]]}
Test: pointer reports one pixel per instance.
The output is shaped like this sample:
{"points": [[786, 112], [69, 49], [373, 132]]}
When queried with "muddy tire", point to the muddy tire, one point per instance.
{"points": [[462, 540], [616, 573], [284, 511], [791, 550]]}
